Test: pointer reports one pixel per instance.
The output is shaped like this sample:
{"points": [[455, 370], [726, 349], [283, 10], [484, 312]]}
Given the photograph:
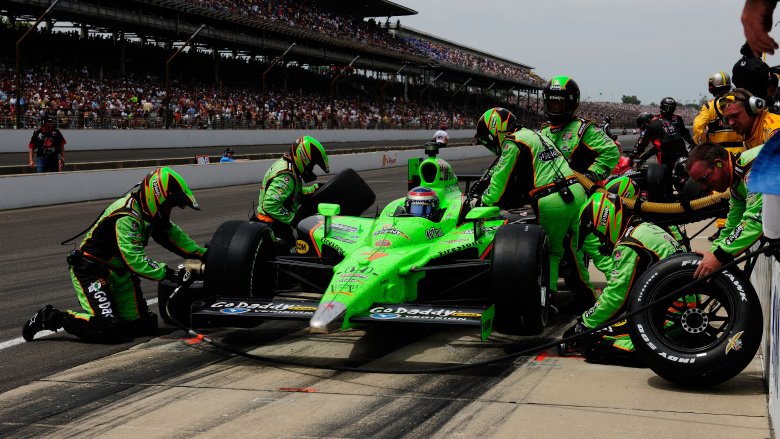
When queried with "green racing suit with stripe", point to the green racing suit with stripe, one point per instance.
{"points": [[743, 222], [641, 245], [105, 272], [532, 168], [586, 148], [280, 198]]}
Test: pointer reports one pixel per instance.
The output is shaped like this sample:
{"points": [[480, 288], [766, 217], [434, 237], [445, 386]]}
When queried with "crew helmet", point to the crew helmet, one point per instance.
{"points": [[719, 83], [228, 151], [668, 105], [306, 152], [561, 99], [643, 119], [493, 126], [607, 119], [602, 215], [422, 202], [163, 187], [624, 187]]}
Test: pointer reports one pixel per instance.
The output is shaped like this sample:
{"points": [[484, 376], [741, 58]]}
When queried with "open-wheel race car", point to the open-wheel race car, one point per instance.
{"points": [[456, 266]]}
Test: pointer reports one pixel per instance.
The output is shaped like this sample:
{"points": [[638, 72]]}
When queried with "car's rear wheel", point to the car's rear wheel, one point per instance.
{"points": [[704, 335], [520, 276], [238, 260]]}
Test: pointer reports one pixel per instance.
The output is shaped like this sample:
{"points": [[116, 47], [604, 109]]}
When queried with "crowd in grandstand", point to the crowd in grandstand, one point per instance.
{"points": [[311, 17]]}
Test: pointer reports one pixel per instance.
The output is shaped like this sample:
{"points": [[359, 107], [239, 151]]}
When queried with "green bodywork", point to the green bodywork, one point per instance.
{"points": [[382, 256]]}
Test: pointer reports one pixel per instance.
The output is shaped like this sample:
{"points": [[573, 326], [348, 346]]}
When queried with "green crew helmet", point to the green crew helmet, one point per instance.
{"points": [[306, 152], [561, 99], [623, 187], [164, 187], [493, 126], [602, 215]]}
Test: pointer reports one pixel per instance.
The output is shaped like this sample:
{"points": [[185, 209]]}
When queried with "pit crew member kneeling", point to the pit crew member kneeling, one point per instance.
{"points": [[714, 168], [105, 269], [634, 246]]}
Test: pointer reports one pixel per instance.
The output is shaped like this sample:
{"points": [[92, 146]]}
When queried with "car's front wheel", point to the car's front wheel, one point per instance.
{"points": [[520, 277]]}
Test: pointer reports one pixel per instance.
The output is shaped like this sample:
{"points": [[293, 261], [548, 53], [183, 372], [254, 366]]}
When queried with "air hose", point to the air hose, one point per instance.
{"points": [[456, 367], [653, 207]]}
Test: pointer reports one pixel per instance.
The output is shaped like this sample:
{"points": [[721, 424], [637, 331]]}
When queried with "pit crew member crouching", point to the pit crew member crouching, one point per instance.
{"points": [[635, 245], [105, 269]]}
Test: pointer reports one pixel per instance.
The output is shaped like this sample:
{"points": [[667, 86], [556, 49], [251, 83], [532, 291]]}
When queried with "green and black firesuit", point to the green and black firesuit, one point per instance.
{"points": [[587, 149], [280, 198], [743, 222], [530, 165], [641, 245], [106, 269]]}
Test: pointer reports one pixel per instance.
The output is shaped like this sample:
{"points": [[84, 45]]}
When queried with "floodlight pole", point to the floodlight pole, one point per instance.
{"points": [[279, 58], [19, 63], [333, 82], [422, 93], [168, 63]]}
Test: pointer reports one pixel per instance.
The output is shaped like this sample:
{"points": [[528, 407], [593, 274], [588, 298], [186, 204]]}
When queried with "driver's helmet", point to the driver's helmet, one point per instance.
{"points": [[643, 119], [624, 187], [422, 202], [305, 153], [719, 83], [668, 105], [602, 215], [561, 99], [164, 186], [493, 126]]}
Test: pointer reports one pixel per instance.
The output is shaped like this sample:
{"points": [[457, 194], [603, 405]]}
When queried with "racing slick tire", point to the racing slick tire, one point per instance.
{"points": [[346, 189], [703, 336], [176, 312], [238, 261], [520, 276]]}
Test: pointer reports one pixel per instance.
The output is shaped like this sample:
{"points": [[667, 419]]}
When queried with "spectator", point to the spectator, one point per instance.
{"points": [[227, 156], [441, 135], [48, 145]]}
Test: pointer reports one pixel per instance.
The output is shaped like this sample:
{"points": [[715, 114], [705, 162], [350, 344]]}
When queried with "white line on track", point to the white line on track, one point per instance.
{"points": [[45, 333]]}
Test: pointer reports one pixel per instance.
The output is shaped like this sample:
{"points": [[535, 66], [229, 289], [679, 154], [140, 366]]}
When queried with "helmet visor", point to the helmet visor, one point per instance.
{"points": [[556, 105], [421, 209]]}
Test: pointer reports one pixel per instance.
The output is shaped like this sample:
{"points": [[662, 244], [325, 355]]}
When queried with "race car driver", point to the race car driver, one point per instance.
{"points": [[588, 149], [105, 269], [714, 168], [531, 168], [282, 190], [634, 246]]}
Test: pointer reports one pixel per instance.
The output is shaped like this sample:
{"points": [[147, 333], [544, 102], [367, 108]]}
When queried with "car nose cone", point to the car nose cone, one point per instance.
{"points": [[328, 318]]}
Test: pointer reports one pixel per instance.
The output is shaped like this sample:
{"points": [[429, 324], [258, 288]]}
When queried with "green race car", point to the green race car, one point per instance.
{"points": [[459, 266]]}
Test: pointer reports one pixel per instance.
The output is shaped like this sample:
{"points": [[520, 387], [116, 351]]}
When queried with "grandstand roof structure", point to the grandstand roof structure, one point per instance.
{"points": [[174, 21]]}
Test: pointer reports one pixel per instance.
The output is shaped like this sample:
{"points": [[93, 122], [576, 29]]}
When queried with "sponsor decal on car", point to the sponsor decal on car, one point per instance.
{"points": [[383, 243], [433, 233], [391, 231], [384, 316], [735, 342], [343, 227], [440, 312], [301, 247]]}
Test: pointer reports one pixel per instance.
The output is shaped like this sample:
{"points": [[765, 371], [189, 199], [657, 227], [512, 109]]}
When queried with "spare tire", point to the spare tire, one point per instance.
{"points": [[704, 335], [238, 262], [347, 189], [520, 275]]}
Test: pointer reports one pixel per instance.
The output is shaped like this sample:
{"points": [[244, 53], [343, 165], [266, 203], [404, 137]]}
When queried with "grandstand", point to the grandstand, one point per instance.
{"points": [[253, 64]]}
